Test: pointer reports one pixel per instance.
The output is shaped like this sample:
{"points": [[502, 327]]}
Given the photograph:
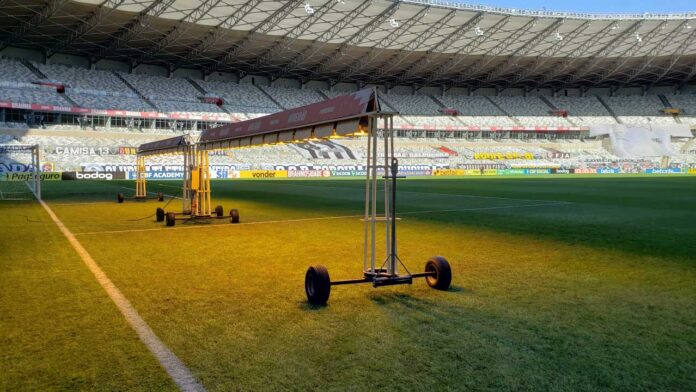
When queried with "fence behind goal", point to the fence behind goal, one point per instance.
{"points": [[20, 172]]}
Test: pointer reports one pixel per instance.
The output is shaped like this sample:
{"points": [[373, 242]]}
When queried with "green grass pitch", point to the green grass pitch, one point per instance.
{"points": [[559, 283]]}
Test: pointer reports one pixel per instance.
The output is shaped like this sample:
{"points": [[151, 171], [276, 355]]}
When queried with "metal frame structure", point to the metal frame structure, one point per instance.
{"points": [[195, 198], [175, 145], [35, 152], [380, 267], [358, 113], [446, 43]]}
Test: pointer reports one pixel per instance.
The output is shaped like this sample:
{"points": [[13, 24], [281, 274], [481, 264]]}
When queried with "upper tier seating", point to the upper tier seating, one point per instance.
{"points": [[14, 71], [477, 111], [292, 98], [123, 102], [163, 88], [530, 111], [187, 107], [584, 111], [84, 79], [686, 102], [105, 90], [419, 105], [38, 95], [635, 109], [437, 121], [240, 98]]}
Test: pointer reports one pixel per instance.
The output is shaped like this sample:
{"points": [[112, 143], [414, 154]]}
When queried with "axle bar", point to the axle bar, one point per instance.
{"points": [[384, 280]]}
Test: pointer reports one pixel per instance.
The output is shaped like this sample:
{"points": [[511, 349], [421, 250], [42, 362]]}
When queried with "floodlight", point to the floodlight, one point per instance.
{"points": [[308, 9], [393, 23], [559, 36], [478, 31]]}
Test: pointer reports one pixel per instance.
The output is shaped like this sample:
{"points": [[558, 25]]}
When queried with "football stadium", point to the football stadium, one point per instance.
{"points": [[363, 195]]}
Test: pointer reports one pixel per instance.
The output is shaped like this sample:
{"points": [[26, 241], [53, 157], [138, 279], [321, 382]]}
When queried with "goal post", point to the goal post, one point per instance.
{"points": [[20, 172]]}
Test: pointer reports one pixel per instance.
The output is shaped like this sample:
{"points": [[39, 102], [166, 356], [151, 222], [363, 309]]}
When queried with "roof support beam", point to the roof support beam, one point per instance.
{"points": [[522, 51], [363, 62], [436, 51], [328, 35], [591, 65], [576, 55], [689, 76], [394, 61], [333, 58], [36, 21], [216, 35], [265, 26], [182, 27], [631, 52], [136, 26], [101, 14], [461, 55], [480, 65], [296, 32], [674, 59], [551, 52], [676, 55]]}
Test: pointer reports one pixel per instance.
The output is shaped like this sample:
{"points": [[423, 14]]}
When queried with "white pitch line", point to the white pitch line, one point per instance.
{"points": [[83, 203], [181, 375], [320, 218], [488, 208], [429, 193], [213, 225], [154, 193], [167, 186]]}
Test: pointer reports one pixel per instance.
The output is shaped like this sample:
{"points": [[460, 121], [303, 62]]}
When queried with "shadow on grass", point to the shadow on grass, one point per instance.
{"points": [[622, 214], [460, 289], [407, 302], [306, 306], [619, 224]]}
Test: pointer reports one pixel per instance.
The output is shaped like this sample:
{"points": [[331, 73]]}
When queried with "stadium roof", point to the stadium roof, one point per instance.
{"points": [[422, 42]]}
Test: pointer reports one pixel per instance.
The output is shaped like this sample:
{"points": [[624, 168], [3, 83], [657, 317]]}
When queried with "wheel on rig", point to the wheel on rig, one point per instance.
{"points": [[120, 198], [219, 211], [442, 273], [317, 285], [159, 214], [234, 216], [171, 219], [160, 196]]}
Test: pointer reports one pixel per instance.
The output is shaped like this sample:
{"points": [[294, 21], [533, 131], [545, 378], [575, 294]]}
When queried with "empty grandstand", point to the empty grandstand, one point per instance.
{"points": [[474, 74], [169, 168]]}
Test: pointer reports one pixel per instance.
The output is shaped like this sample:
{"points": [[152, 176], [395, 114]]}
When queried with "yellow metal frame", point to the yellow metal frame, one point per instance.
{"points": [[140, 179], [201, 181], [196, 183]]}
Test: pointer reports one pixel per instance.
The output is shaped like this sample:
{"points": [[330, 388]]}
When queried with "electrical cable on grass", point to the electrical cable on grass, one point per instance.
{"points": [[151, 215]]}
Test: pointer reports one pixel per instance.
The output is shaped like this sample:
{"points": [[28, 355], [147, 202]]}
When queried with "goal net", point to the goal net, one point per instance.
{"points": [[20, 172]]}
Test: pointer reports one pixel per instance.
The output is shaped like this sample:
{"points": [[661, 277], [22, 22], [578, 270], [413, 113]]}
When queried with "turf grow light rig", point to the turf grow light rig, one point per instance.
{"points": [[195, 198], [355, 114], [438, 273], [140, 184]]}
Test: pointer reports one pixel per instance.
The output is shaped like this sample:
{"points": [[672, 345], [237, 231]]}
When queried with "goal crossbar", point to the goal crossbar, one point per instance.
{"points": [[30, 178]]}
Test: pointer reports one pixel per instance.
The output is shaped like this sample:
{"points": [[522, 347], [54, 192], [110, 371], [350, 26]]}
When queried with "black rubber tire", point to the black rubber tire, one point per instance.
{"points": [[120, 198], [171, 219], [443, 273], [159, 214], [317, 285], [219, 212], [160, 196], [234, 216]]}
